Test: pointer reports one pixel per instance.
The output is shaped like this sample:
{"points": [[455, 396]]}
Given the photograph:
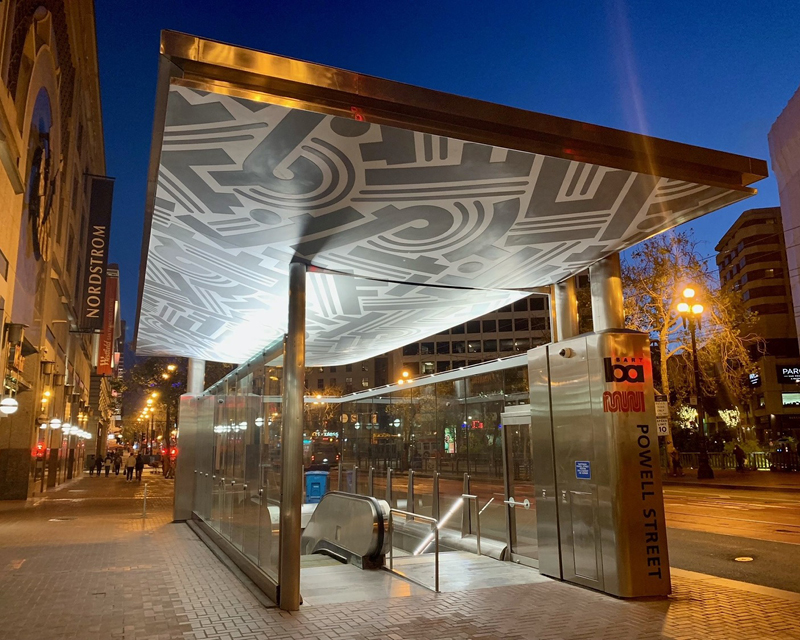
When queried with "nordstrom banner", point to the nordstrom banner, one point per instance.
{"points": [[96, 257]]}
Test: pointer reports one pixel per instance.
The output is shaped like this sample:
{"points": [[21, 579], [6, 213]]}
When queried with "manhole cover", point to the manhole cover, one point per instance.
{"points": [[61, 519], [743, 559]]}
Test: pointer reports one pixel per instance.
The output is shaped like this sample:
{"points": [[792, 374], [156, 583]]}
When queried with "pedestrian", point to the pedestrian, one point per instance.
{"points": [[91, 468], [107, 464], [130, 463], [677, 468], [139, 466], [117, 463], [98, 464], [740, 456]]}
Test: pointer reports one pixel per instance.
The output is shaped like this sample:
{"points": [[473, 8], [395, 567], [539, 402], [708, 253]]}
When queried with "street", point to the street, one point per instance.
{"points": [[710, 528]]}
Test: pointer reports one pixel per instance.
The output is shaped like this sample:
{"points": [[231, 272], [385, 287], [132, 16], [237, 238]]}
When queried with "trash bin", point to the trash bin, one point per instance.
{"points": [[316, 485]]}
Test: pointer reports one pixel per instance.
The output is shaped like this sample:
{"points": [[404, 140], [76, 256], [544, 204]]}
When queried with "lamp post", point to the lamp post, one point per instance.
{"points": [[691, 312]]}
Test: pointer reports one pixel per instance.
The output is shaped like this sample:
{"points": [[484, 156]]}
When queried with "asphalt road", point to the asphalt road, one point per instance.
{"points": [[709, 528]]}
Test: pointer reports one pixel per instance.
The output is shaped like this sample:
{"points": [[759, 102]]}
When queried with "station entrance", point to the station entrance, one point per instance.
{"points": [[300, 215]]}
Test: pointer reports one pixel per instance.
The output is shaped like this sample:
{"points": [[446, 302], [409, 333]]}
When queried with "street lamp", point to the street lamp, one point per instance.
{"points": [[691, 312]]}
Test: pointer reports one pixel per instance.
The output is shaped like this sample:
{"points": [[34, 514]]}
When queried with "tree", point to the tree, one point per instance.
{"points": [[654, 278]]}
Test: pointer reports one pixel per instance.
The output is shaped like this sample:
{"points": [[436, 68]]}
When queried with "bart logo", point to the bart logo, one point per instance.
{"points": [[624, 370]]}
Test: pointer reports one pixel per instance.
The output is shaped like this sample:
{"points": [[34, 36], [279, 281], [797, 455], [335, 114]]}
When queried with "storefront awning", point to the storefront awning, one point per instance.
{"points": [[415, 210]]}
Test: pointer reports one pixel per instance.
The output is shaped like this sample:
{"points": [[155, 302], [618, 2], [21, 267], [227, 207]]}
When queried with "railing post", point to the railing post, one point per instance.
{"points": [[339, 479], [435, 496], [355, 479], [371, 481], [410, 492], [389, 487], [466, 526]]}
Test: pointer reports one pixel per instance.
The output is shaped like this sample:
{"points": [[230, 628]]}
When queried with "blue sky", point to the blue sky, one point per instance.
{"points": [[713, 74]]}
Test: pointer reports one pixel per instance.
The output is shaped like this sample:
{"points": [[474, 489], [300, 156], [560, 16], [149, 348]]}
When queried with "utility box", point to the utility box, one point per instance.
{"points": [[597, 475], [316, 486]]}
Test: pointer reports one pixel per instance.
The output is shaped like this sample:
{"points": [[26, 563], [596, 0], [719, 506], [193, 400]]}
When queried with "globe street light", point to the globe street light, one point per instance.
{"points": [[8, 406], [691, 313]]}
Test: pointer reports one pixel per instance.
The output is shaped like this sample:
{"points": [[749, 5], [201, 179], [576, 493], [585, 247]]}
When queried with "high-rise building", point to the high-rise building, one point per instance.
{"points": [[752, 260], [54, 236]]}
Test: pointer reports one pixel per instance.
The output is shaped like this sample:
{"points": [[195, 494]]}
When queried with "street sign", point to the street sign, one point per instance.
{"points": [[662, 426], [662, 409], [693, 401]]}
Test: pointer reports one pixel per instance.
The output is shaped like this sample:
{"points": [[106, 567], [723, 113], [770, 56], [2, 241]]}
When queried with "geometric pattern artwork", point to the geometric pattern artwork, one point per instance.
{"points": [[415, 232]]}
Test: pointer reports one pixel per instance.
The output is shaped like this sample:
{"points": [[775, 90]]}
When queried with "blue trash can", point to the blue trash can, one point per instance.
{"points": [[316, 485]]}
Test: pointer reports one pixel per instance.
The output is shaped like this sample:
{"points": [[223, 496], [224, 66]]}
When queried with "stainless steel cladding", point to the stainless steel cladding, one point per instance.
{"points": [[593, 425]]}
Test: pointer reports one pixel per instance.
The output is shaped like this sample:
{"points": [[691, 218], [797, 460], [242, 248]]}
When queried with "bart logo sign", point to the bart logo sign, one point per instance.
{"points": [[624, 369]]}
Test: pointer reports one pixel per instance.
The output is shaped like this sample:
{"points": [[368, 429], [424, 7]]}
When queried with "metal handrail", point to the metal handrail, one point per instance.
{"points": [[429, 520], [466, 497]]}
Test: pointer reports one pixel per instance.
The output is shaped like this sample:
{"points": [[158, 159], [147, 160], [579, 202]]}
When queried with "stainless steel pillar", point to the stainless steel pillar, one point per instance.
{"points": [[566, 309], [606, 282], [186, 462], [292, 441], [195, 376]]}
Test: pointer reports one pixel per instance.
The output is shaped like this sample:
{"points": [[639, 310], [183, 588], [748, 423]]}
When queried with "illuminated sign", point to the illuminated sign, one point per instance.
{"points": [[788, 374], [754, 379], [624, 369]]}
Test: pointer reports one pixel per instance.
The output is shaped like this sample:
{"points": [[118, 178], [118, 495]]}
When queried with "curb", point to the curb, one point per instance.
{"points": [[745, 487]]}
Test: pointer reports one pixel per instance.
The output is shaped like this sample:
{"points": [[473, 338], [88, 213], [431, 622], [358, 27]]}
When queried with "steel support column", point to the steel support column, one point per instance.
{"points": [[292, 441], [195, 376], [566, 309], [606, 282]]}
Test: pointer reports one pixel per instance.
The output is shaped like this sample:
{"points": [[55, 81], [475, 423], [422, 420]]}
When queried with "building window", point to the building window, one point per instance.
{"points": [[459, 328], [348, 368], [427, 367], [761, 402], [506, 309], [3, 266], [333, 369], [473, 346], [364, 367], [521, 305], [442, 365], [538, 324], [320, 383], [457, 364], [505, 325], [411, 349], [522, 344], [426, 348], [537, 303], [489, 326], [443, 348], [348, 385], [490, 346], [474, 326], [520, 324], [459, 347], [412, 368], [365, 383], [507, 344], [768, 273], [790, 399]]}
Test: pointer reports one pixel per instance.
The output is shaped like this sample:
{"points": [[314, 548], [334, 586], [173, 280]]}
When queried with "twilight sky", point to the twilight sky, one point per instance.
{"points": [[712, 73]]}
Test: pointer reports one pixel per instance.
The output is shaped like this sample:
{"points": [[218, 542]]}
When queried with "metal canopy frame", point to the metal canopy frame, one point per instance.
{"points": [[226, 69]]}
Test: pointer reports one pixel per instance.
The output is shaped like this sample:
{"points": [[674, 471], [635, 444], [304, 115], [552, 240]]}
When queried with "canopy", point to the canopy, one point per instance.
{"points": [[415, 210]]}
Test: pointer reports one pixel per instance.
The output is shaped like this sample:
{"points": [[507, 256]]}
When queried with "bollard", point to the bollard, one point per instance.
{"points": [[389, 487], [144, 502]]}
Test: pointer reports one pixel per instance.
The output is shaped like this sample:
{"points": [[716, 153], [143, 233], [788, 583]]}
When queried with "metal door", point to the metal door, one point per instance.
{"points": [[520, 496]]}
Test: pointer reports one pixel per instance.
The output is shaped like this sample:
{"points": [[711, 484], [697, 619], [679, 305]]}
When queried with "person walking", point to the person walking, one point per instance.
{"points": [[139, 466], [107, 464], [98, 464], [117, 463], [677, 468], [740, 456], [130, 463]]}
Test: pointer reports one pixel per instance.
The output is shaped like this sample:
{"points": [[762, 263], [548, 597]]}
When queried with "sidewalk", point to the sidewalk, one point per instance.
{"points": [[731, 479], [83, 564]]}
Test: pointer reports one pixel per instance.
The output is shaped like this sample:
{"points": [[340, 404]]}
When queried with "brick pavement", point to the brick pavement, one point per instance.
{"points": [[81, 563]]}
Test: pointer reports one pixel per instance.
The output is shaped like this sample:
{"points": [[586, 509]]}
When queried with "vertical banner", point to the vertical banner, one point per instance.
{"points": [[105, 355], [96, 257]]}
